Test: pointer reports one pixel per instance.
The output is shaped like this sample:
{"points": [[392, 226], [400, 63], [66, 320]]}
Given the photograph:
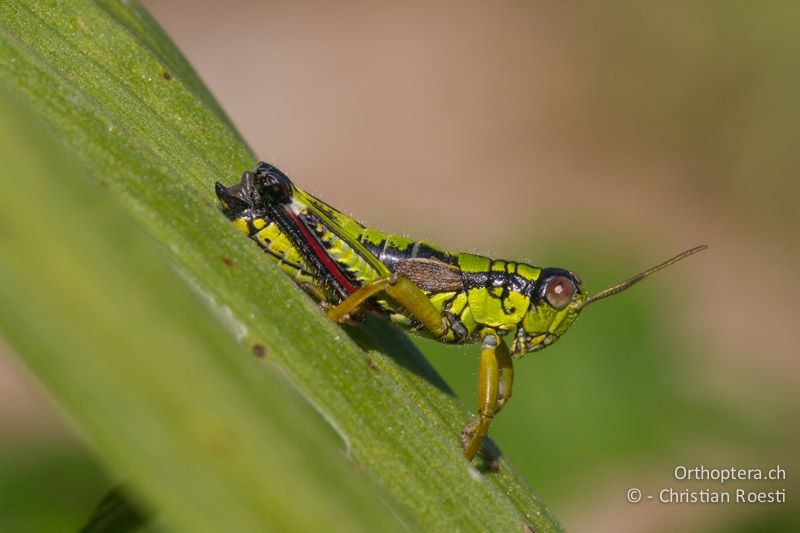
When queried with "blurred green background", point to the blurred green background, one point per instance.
{"points": [[598, 137]]}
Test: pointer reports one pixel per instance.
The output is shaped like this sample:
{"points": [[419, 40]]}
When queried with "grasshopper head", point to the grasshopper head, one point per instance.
{"points": [[247, 200], [558, 298]]}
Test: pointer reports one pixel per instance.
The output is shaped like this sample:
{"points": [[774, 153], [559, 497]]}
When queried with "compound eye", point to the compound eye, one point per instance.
{"points": [[559, 291], [278, 192], [274, 186]]}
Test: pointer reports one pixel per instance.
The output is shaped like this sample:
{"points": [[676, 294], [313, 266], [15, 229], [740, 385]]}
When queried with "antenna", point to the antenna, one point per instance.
{"points": [[611, 291]]}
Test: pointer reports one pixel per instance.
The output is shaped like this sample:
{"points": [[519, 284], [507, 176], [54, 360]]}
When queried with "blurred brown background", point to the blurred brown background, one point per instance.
{"points": [[601, 137]]}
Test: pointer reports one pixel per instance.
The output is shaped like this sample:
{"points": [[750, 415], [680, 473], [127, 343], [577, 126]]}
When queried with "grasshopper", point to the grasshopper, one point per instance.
{"points": [[452, 297]]}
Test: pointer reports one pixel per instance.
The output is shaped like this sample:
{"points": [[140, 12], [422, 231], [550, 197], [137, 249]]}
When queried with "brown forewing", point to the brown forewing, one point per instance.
{"points": [[430, 275]]}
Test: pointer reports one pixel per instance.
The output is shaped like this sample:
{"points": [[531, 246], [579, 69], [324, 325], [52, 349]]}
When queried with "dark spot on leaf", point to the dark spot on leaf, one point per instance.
{"points": [[258, 350], [228, 262], [372, 366], [103, 184], [167, 75], [527, 528]]}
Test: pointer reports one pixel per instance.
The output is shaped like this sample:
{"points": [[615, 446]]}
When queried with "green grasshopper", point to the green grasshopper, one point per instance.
{"points": [[452, 297]]}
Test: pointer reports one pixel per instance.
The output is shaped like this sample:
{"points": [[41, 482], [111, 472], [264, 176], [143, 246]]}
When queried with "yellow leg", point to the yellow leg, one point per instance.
{"points": [[496, 374], [495, 369], [506, 376], [403, 292]]}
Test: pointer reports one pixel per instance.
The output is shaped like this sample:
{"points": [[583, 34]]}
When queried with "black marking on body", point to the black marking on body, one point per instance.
{"points": [[391, 256], [460, 332], [320, 227], [374, 249], [279, 258], [307, 251], [322, 206], [314, 223], [422, 250], [508, 280]]}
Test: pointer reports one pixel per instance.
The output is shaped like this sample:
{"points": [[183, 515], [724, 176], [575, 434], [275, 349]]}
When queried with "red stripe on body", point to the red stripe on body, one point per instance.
{"points": [[324, 258]]}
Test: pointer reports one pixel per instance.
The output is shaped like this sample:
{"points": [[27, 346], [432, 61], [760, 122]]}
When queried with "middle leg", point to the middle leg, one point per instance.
{"points": [[495, 378]]}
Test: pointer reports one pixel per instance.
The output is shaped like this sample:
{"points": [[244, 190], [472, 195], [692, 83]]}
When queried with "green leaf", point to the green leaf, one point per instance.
{"points": [[211, 440], [118, 95]]}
